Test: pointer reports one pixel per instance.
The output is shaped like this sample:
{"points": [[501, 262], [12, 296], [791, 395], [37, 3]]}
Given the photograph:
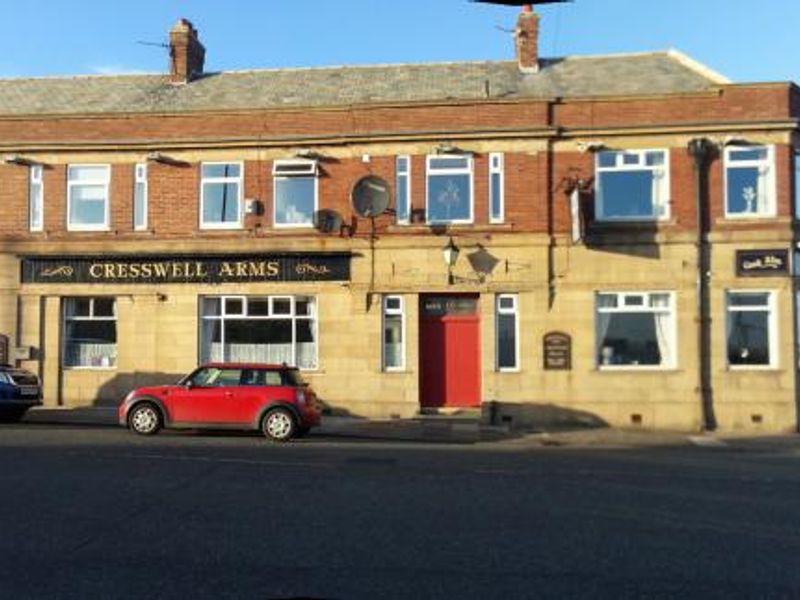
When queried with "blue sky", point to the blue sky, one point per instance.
{"points": [[745, 40]]}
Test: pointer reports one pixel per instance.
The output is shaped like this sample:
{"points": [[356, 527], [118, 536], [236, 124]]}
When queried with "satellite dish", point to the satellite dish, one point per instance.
{"points": [[327, 221], [370, 196]]}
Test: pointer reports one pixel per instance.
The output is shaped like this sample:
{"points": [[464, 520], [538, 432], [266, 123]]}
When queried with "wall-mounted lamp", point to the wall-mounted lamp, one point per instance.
{"points": [[163, 159], [590, 146], [450, 254]]}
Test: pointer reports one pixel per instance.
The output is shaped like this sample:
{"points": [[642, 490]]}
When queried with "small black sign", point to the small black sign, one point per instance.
{"points": [[557, 351], [435, 306], [762, 263], [187, 268]]}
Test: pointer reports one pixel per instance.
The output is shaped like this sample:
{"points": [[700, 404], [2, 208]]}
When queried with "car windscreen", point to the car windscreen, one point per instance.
{"points": [[22, 377]]}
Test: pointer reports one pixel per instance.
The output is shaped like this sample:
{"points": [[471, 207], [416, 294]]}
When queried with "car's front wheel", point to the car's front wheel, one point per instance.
{"points": [[279, 425], [144, 419]]}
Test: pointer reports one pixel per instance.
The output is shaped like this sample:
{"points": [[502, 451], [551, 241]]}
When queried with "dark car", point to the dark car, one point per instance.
{"points": [[19, 390], [271, 398]]}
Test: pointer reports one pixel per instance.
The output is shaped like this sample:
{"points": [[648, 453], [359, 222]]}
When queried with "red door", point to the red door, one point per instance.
{"points": [[449, 351]]}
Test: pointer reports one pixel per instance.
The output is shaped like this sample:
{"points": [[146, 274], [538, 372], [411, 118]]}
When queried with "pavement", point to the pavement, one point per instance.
{"points": [[471, 431]]}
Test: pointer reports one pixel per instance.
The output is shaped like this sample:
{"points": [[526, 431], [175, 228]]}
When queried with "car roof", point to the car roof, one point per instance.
{"points": [[237, 365]]}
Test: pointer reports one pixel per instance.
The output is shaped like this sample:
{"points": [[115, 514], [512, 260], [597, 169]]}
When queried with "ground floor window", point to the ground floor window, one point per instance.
{"points": [[750, 329], [267, 329], [90, 332], [507, 333], [393, 334], [635, 329]]}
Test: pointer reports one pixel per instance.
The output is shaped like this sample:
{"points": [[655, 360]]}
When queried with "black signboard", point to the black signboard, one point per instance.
{"points": [[435, 306], [762, 263], [187, 268], [557, 351]]}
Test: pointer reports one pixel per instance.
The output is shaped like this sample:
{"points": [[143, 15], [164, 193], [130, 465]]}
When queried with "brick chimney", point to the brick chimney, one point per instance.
{"points": [[186, 53], [526, 37]]}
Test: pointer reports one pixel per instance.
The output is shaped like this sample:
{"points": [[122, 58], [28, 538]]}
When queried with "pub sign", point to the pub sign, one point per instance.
{"points": [[557, 351], [762, 263], [144, 269]]}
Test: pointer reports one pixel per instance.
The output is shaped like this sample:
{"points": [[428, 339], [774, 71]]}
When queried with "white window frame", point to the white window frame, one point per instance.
{"points": [[36, 198], [238, 224], [772, 323], [90, 317], [661, 183], [513, 310], [104, 181], [313, 316], [497, 167], [406, 175], [140, 182], [401, 312], [290, 169], [671, 363], [468, 170], [766, 168]]}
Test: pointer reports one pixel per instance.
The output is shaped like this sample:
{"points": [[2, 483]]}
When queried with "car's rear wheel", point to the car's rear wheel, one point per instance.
{"points": [[279, 425], [145, 419]]}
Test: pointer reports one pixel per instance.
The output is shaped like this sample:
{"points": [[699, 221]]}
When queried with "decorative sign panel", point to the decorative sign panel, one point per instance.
{"points": [[186, 268], [557, 351], [434, 306], [762, 263]]}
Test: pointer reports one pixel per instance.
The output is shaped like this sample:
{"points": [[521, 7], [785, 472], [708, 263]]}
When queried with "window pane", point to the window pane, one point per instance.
{"points": [[393, 341], [743, 190], [607, 159], [90, 343], [87, 205], [630, 159], [295, 200], [748, 299], [212, 307], [226, 170], [99, 173], [281, 306], [748, 338], [104, 307], [449, 198], [402, 198], [449, 163], [78, 307], [654, 159], [36, 202], [258, 307], [220, 202], [304, 306], [506, 341], [496, 190], [633, 338], [306, 337], [393, 304], [749, 154], [634, 300], [234, 306], [627, 194], [506, 302], [140, 204], [606, 300]]}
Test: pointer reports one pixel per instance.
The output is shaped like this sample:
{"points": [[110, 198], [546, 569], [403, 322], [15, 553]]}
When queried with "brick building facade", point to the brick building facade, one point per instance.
{"points": [[155, 221]]}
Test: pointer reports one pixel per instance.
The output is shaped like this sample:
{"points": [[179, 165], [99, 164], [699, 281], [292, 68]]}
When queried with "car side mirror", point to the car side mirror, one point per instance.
{"points": [[189, 385]]}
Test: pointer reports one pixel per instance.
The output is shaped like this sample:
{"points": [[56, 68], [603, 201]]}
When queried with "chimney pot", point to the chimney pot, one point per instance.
{"points": [[187, 54], [527, 40]]}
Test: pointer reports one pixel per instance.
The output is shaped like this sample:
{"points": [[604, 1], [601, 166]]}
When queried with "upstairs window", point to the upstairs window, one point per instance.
{"points": [[403, 189], [296, 192], [496, 188], [87, 197], [221, 195], [507, 355], [36, 199], [449, 189], [632, 185], [750, 181], [140, 197]]}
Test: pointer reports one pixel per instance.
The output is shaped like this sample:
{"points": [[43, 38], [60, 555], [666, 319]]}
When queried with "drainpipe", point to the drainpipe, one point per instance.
{"points": [[703, 152]]}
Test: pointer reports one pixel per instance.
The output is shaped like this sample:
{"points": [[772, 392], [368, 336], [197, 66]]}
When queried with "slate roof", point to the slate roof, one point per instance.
{"points": [[632, 74]]}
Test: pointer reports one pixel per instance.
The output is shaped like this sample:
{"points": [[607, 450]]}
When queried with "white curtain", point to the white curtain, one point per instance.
{"points": [[663, 323], [80, 354]]}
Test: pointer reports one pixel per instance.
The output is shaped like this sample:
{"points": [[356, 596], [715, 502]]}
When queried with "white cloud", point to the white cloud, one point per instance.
{"points": [[115, 70]]}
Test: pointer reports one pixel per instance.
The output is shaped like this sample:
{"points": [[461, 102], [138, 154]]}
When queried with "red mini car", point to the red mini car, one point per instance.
{"points": [[270, 398]]}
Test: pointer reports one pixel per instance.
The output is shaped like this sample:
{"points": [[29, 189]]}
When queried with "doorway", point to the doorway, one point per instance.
{"points": [[449, 351]]}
